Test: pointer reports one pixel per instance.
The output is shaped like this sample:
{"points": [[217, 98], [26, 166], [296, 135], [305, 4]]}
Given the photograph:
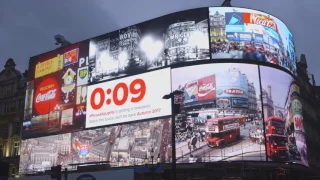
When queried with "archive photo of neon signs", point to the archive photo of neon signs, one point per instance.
{"points": [[239, 33], [56, 92], [220, 115]]}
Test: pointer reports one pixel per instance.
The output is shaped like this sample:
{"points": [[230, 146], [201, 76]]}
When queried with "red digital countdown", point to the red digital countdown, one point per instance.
{"points": [[137, 88], [127, 99]]}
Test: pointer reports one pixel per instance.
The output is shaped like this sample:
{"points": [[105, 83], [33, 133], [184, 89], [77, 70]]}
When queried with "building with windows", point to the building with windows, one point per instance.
{"points": [[12, 94], [252, 100], [310, 99], [217, 29], [268, 107]]}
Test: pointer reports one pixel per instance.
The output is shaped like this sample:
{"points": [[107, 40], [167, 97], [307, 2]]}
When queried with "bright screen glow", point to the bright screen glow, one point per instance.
{"points": [[220, 116], [129, 99], [240, 33]]}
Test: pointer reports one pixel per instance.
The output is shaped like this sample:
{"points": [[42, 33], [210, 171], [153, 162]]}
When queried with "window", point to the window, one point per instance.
{"points": [[5, 131], [6, 107], [13, 172], [20, 105], [8, 89], [16, 148], [18, 128], [1, 150]]}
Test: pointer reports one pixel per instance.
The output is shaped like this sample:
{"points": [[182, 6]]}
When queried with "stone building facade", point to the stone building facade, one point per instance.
{"points": [[12, 94]]}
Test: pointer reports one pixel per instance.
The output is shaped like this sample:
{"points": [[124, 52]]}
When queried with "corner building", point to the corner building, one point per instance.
{"points": [[12, 94], [243, 105]]}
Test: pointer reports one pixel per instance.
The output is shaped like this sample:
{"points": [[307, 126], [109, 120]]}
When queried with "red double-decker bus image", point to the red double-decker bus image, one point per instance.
{"points": [[221, 131], [276, 138]]}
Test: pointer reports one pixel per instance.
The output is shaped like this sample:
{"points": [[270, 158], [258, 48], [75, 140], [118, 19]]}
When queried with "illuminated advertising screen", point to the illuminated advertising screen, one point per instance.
{"points": [[226, 124], [129, 99], [283, 117], [239, 33], [56, 92], [170, 39], [122, 145]]}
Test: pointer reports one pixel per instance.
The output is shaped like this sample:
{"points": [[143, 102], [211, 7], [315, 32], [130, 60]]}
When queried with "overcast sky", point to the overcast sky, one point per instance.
{"points": [[27, 27]]}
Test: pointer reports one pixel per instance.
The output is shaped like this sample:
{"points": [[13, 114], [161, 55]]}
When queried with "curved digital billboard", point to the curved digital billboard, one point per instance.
{"points": [[85, 94], [240, 33]]}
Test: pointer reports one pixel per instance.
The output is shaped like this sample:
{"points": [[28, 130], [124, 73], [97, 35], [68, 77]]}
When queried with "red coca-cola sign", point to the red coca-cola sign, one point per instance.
{"points": [[207, 88], [260, 19], [47, 96]]}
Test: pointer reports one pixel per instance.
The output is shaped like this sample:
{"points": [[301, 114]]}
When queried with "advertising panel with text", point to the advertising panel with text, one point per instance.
{"points": [[225, 124], [56, 92], [239, 33], [129, 99]]}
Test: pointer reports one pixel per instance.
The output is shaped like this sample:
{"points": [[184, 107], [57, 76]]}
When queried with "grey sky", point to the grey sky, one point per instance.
{"points": [[27, 27], [279, 82]]}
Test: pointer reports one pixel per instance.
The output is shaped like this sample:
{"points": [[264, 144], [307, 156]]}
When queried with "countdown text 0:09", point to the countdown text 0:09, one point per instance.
{"points": [[138, 92]]}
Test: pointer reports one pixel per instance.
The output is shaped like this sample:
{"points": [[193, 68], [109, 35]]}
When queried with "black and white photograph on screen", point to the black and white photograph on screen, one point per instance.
{"points": [[240, 33], [170, 39], [285, 139], [220, 118]]}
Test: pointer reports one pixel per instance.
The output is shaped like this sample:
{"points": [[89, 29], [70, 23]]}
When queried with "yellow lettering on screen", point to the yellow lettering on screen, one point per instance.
{"points": [[49, 66]]}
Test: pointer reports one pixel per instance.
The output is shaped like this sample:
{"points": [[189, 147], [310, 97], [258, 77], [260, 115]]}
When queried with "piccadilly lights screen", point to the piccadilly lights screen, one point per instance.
{"points": [[102, 99]]}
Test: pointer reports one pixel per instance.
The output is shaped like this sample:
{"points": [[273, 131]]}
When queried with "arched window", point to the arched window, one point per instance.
{"points": [[16, 146]]}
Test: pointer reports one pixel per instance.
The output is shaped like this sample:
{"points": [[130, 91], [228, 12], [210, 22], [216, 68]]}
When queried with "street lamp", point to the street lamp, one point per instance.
{"points": [[146, 161], [175, 108]]}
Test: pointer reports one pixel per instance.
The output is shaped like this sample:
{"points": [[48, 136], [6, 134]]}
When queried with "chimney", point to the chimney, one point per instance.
{"points": [[269, 92], [303, 61]]}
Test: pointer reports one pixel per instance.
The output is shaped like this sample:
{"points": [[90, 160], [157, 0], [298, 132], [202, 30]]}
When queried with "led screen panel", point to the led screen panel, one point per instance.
{"points": [[170, 39], [129, 99], [282, 107], [239, 33], [122, 145], [56, 92], [220, 118]]}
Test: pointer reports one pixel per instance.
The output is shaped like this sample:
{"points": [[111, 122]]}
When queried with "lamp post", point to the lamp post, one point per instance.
{"points": [[152, 168], [175, 109]]}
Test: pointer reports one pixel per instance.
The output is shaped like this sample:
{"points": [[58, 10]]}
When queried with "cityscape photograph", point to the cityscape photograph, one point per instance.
{"points": [[283, 117], [123, 145], [239, 33], [170, 39], [221, 115]]}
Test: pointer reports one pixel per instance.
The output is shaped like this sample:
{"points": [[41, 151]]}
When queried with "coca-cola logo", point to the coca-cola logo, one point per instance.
{"points": [[206, 87], [263, 20], [46, 96]]}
